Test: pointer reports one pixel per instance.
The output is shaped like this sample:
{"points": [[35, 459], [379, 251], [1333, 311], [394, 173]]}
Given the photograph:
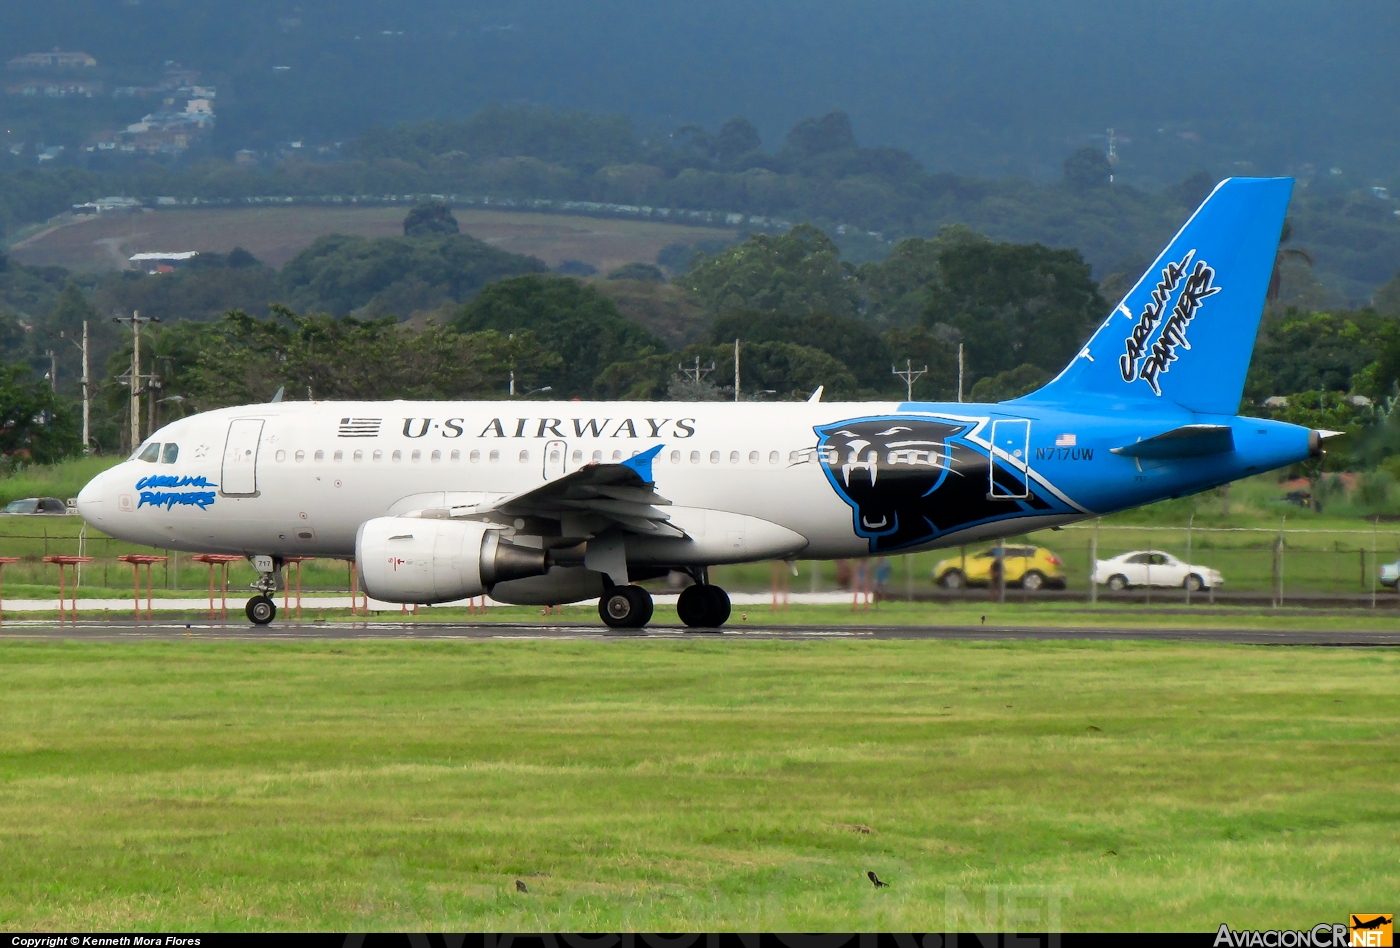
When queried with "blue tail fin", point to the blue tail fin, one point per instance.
{"points": [[1185, 332]]}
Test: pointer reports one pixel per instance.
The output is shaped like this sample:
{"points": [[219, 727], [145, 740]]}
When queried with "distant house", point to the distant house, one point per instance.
{"points": [[161, 262], [55, 88], [245, 156]]}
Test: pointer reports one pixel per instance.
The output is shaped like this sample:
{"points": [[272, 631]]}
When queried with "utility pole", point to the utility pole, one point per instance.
{"points": [[136, 320], [910, 375], [736, 370], [87, 395], [1112, 154], [960, 370], [53, 369], [698, 372]]}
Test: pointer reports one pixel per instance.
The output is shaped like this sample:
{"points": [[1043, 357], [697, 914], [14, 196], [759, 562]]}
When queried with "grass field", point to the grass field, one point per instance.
{"points": [[276, 234], [671, 785]]}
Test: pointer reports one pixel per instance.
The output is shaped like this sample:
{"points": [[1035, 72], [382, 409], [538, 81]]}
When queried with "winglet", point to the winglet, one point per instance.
{"points": [[641, 463]]}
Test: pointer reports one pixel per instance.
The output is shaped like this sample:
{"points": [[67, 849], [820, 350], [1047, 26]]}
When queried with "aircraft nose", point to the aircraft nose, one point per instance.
{"points": [[90, 506]]}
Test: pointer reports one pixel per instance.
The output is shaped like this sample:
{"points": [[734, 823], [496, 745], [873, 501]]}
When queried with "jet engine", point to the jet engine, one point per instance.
{"points": [[405, 559]]}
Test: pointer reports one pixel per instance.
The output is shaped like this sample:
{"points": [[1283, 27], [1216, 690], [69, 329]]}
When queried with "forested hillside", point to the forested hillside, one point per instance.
{"points": [[866, 197]]}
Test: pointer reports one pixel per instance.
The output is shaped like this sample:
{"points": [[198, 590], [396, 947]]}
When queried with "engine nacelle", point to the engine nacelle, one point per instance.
{"points": [[404, 559]]}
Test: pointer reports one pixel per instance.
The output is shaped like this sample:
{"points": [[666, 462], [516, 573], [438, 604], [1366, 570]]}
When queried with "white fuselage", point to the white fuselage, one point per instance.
{"points": [[302, 481]]}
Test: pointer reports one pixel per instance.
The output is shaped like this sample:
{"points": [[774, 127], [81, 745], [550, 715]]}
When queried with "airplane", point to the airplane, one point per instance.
{"points": [[551, 502]]}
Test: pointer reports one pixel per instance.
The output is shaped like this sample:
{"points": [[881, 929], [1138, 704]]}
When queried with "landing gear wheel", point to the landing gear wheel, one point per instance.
{"points": [[693, 606], [719, 605], [625, 607], [260, 610]]}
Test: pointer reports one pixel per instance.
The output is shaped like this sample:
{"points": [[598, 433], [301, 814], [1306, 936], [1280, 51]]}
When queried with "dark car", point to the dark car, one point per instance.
{"points": [[42, 506]]}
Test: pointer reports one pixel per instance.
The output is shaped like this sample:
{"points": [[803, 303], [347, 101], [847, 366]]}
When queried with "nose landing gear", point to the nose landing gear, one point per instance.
{"points": [[261, 610]]}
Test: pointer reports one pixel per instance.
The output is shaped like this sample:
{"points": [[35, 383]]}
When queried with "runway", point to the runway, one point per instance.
{"points": [[238, 631]]}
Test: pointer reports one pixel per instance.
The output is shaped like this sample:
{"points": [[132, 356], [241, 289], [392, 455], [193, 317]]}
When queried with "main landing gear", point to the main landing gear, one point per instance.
{"points": [[630, 607], [703, 606], [625, 607], [261, 610]]}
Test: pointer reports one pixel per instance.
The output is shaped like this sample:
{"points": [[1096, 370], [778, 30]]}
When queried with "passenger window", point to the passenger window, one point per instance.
{"points": [[578, 456], [398, 456], [753, 457], [359, 456], [495, 456], [474, 457], [300, 456], [281, 455], [416, 456], [617, 456], [772, 457], [524, 457], [695, 457], [714, 457], [171, 454], [733, 457], [456, 456], [338, 456], [597, 457], [320, 455], [378, 455], [675, 457], [150, 453], [436, 456]]}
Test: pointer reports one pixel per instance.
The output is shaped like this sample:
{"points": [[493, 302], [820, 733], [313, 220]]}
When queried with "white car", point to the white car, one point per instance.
{"points": [[1153, 568]]}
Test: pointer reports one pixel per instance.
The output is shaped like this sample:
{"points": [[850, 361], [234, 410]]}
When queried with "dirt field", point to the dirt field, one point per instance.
{"points": [[276, 234]]}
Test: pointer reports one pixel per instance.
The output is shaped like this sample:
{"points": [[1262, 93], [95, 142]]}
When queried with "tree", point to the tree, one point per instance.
{"points": [[768, 370], [34, 425], [818, 136], [737, 137], [846, 339], [1087, 168], [1015, 304], [1284, 255], [1387, 298], [896, 288], [567, 317], [1010, 384], [429, 218], [342, 273], [797, 272]]}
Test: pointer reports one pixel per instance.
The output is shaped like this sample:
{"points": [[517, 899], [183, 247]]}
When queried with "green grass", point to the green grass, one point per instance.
{"points": [[643, 784], [62, 480]]}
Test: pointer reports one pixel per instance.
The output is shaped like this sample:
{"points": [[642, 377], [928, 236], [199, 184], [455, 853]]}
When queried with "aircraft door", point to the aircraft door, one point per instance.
{"points": [[240, 472], [556, 454], [1011, 441]]}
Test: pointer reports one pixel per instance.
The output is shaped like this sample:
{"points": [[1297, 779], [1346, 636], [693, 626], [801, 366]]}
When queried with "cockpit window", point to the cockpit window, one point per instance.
{"points": [[150, 453], [171, 454]]}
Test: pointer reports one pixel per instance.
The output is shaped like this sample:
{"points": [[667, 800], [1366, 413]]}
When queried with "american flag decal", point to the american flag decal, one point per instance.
{"points": [[1065, 441], [359, 427]]}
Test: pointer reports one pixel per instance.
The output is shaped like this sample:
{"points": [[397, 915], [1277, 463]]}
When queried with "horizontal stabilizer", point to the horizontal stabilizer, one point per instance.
{"points": [[1188, 441]]}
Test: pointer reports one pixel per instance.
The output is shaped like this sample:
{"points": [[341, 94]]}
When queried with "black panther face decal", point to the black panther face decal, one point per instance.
{"points": [[912, 480]]}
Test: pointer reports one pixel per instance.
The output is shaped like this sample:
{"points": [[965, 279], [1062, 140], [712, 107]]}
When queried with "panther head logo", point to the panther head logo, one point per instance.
{"points": [[909, 480]]}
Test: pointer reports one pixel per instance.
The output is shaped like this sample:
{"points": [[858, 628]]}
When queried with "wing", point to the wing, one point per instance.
{"points": [[593, 498]]}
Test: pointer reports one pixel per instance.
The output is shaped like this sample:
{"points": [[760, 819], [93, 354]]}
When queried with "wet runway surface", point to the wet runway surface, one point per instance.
{"points": [[309, 631]]}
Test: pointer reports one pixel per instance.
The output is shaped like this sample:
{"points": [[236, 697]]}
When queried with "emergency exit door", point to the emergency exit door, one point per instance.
{"points": [[1011, 445]]}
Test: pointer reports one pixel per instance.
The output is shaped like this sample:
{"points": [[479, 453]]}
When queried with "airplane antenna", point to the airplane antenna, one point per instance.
{"points": [[910, 376]]}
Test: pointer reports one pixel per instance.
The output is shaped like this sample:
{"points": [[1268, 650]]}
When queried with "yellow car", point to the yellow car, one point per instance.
{"points": [[1030, 567]]}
